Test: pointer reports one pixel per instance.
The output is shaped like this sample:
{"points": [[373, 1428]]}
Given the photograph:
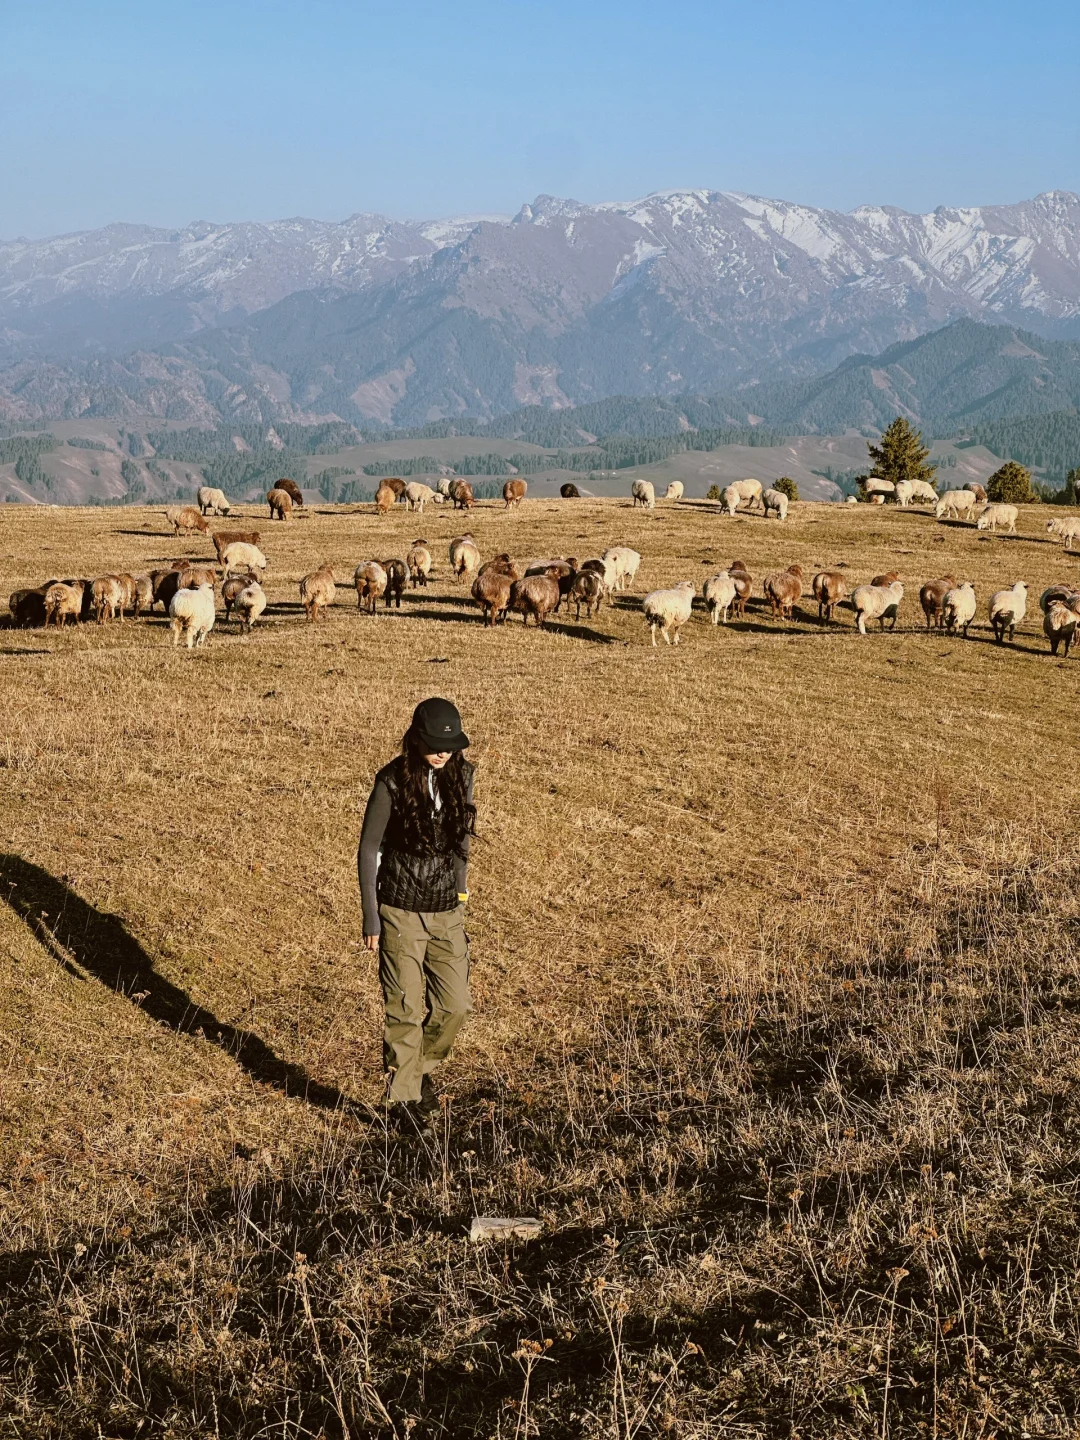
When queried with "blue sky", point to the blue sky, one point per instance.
{"points": [[255, 109]]}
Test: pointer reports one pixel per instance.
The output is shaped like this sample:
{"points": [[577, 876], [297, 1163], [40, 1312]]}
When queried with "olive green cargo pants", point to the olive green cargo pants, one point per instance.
{"points": [[424, 973]]}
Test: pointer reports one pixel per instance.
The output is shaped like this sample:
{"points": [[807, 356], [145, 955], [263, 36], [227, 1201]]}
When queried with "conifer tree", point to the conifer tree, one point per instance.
{"points": [[901, 455], [1011, 484]]}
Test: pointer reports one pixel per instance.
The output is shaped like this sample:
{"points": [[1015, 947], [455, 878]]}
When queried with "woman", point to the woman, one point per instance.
{"points": [[413, 859]]}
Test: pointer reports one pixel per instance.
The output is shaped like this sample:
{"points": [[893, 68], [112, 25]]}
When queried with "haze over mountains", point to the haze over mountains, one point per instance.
{"points": [[401, 323]]}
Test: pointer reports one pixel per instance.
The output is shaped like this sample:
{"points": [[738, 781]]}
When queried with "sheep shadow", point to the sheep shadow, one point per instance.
{"points": [[573, 631], [86, 941]]}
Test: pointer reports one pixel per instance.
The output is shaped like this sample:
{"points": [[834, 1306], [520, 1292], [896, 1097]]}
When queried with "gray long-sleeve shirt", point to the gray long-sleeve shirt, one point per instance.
{"points": [[376, 819]]}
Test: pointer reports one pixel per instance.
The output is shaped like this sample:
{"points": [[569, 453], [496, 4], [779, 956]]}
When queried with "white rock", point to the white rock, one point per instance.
{"points": [[499, 1227]]}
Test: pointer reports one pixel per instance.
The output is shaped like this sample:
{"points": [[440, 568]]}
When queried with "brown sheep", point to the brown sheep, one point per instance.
{"points": [[107, 598], [280, 503], [514, 492], [385, 498], [535, 595], [28, 607], [744, 586], [569, 492], [491, 590], [587, 589], [224, 538], [317, 592], [829, 588], [887, 579], [186, 518], [419, 562], [233, 588], [195, 575], [295, 494], [144, 594], [461, 493], [977, 491], [396, 485], [784, 590], [165, 584], [64, 601], [130, 587], [396, 578], [502, 565], [932, 599], [370, 581]]}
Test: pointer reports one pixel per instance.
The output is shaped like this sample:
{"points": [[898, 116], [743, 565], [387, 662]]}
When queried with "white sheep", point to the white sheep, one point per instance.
{"points": [[625, 563], [1068, 528], [924, 491], [955, 504], [212, 501], [719, 594], [464, 557], [191, 614], [775, 500], [876, 486], [674, 490], [905, 493], [1007, 610], [958, 608], [668, 610], [443, 487], [249, 605], [417, 495], [239, 556], [732, 499], [644, 494], [877, 602], [995, 515]]}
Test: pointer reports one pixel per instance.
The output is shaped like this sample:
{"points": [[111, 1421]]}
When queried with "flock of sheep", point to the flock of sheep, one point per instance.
{"points": [[540, 588]]}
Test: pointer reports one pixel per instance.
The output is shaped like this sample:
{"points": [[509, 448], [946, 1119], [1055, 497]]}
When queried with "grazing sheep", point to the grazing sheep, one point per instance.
{"points": [[586, 589], [195, 575], [669, 610], [442, 485], [107, 598], [504, 565], [829, 588], [851, 500], [784, 590], [233, 587], [731, 500], [317, 592], [876, 486], [877, 498], [535, 595], [385, 498], [396, 577], [1068, 528], [887, 578], [419, 562], [775, 500], [295, 494], [28, 607], [249, 605], [1007, 610], [877, 602], [185, 518], [144, 595], [719, 593], [977, 491], [130, 588], [64, 601], [1059, 624], [749, 491], [222, 538], [605, 569], [1067, 594], [417, 495], [280, 502], [626, 563], [239, 556], [955, 505], [674, 490], [514, 492], [958, 608], [644, 494], [461, 493], [165, 584], [464, 557], [211, 501], [491, 590], [924, 491], [563, 572], [569, 492], [995, 515], [744, 586], [192, 614], [932, 599], [905, 493], [370, 581]]}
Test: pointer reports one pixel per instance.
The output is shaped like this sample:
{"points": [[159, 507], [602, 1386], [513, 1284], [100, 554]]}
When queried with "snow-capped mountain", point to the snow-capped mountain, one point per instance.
{"points": [[686, 290]]}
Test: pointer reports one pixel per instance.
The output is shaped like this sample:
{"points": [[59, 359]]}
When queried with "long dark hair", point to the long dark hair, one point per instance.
{"points": [[458, 814]]}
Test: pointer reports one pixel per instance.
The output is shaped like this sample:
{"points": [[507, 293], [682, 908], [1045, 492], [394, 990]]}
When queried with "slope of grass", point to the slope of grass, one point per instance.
{"points": [[775, 967]]}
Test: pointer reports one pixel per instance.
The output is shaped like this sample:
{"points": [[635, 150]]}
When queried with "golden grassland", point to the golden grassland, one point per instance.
{"points": [[776, 982]]}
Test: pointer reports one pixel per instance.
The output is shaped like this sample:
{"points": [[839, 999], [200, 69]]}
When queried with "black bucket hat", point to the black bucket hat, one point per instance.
{"points": [[437, 724]]}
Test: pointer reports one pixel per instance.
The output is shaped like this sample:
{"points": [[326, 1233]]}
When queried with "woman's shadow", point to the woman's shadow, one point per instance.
{"points": [[92, 942]]}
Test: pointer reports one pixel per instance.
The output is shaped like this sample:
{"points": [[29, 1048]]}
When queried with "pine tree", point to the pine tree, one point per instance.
{"points": [[901, 455], [787, 487], [1072, 487], [1010, 485]]}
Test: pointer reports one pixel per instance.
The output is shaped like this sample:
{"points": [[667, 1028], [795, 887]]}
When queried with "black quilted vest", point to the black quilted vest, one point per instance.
{"points": [[423, 883]]}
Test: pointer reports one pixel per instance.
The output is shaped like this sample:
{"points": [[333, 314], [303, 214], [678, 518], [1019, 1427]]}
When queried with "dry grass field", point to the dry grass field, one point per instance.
{"points": [[777, 985]]}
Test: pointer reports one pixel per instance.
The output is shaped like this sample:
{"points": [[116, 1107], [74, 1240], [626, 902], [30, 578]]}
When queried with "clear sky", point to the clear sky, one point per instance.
{"points": [[258, 109]]}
